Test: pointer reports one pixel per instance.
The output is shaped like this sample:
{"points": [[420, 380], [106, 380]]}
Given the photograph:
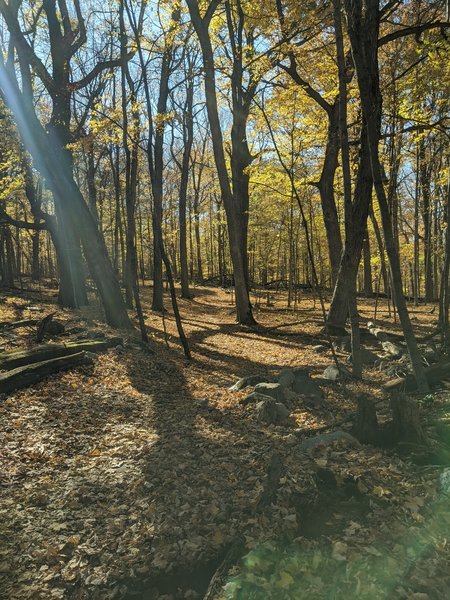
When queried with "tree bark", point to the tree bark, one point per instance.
{"points": [[350, 259], [188, 138], [30, 374], [18, 358], [363, 28], [326, 191], [234, 204]]}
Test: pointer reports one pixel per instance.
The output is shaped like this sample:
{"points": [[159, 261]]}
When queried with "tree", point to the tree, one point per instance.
{"points": [[363, 17], [50, 149], [234, 188]]}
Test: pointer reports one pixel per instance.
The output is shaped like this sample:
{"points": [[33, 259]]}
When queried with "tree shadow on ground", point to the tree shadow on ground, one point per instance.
{"points": [[206, 468]]}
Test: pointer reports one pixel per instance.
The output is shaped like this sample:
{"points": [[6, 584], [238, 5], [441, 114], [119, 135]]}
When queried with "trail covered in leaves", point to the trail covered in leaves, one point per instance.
{"points": [[131, 477]]}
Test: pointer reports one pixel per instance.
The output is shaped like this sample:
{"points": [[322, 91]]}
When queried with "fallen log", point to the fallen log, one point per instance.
{"points": [[17, 358], [387, 344], [434, 374], [33, 373], [18, 324]]}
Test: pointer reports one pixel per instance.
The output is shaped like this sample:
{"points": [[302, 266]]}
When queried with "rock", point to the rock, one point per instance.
{"points": [[202, 403], [75, 330], [430, 353], [274, 390], [444, 481], [319, 348], [282, 412], [392, 349], [343, 344], [303, 384], [271, 412], [308, 400], [253, 398], [367, 357], [54, 327], [250, 380], [286, 378], [332, 373], [327, 438], [95, 335], [291, 439]]}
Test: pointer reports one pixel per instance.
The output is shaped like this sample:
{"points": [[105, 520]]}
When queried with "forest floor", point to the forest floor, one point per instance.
{"points": [[119, 480]]}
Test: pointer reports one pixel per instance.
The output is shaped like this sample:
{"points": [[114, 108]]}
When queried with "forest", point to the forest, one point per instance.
{"points": [[224, 299]]}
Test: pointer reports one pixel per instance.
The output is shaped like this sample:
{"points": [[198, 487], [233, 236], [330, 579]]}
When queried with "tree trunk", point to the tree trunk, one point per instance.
{"points": [[368, 286], [188, 138], [348, 270], [363, 27], [444, 301], [233, 203], [406, 423], [326, 191], [424, 171]]}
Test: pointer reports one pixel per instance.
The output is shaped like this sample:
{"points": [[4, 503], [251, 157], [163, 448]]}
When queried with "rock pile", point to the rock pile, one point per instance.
{"points": [[272, 395]]}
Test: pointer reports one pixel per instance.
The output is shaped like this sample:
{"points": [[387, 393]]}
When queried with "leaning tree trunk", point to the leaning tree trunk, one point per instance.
{"points": [[72, 282], [50, 153]]}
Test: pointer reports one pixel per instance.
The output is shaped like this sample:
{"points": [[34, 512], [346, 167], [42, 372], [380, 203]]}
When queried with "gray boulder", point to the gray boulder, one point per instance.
{"points": [[323, 439], [286, 378], [270, 412], [303, 384], [332, 373], [274, 390], [248, 381], [367, 357], [343, 344], [253, 398], [444, 481]]}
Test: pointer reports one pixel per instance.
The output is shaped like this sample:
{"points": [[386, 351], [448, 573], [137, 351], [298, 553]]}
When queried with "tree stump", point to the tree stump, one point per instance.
{"points": [[406, 424], [366, 428]]}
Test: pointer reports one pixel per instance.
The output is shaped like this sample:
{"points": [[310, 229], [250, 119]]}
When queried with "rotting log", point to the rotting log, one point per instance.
{"points": [[434, 374], [17, 358], [33, 373], [18, 324]]}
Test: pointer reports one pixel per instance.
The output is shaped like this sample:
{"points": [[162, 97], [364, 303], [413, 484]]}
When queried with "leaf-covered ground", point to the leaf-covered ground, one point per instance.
{"points": [[120, 481]]}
